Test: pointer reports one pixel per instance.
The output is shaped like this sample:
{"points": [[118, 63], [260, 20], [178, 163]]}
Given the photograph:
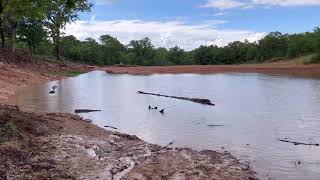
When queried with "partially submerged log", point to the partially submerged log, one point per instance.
{"points": [[164, 147], [214, 125], [298, 143], [196, 100], [112, 127], [85, 110]]}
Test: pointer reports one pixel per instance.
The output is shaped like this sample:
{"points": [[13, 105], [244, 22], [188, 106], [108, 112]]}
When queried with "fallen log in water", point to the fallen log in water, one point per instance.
{"points": [[164, 147], [112, 127], [298, 143], [196, 100], [214, 125], [85, 110]]}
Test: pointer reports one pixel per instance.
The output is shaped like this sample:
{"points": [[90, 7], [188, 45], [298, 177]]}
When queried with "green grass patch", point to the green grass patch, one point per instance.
{"points": [[305, 60], [315, 59], [71, 73], [8, 131]]}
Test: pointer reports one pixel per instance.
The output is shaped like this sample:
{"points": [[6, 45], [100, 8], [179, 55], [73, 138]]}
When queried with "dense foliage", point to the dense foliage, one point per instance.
{"points": [[35, 26], [37, 21], [110, 51]]}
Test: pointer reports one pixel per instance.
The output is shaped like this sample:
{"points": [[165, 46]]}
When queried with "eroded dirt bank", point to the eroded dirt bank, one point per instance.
{"points": [[64, 146], [19, 70], [277, 68]]}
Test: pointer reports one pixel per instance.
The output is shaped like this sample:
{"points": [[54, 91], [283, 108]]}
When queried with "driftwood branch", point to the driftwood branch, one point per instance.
{"points": [[85, 110], [214, 125], [164, 147], [112, 127], [298, 143], [196, 100]]}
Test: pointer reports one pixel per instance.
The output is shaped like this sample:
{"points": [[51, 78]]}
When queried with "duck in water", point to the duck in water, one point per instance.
{"points": [[52, 91], [162, 111], [54, 87]]}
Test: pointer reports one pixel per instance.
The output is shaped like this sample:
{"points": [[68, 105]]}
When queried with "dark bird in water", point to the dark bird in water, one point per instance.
{"points": [[51, 92], [155, 107], [149, 107], [162, 111]]}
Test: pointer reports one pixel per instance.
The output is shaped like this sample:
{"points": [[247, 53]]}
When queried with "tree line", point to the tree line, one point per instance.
{"points": [[36, 26], [110, 51]]}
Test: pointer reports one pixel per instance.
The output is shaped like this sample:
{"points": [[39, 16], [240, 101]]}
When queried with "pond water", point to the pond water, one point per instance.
{"points": [[254, 109]]}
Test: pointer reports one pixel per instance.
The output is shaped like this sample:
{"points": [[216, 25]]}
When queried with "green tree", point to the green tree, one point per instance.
{"points": [[176, 55], [161, 57], [274, 45], [71, 48], [61, 12], [317, 44], [91, 52], [32, 32], [206, 55], [14, 12], [3, 4], [141, 51], [112, 48]]}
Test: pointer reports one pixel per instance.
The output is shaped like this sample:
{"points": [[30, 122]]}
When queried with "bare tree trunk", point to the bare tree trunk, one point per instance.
{"points": [[34, 49], [2, 38], [57, 44], [57, 52], [1, 32], [1, 23], [14, 37], [30, 47]]}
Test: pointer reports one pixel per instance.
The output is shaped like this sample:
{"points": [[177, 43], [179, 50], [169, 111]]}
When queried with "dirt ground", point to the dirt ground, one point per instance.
{"points": [[65, 146], [271, 68]]}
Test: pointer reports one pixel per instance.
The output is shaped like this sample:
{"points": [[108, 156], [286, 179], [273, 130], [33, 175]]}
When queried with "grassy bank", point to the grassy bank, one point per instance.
{"points": [[71, 73]]}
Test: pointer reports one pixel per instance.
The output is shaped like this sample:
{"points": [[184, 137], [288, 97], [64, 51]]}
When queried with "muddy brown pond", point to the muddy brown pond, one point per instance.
{"points": [[252, 111]]}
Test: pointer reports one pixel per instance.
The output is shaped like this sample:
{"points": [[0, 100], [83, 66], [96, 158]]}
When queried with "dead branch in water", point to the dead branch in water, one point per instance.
{"points": [[112, 127], [214, 125], [298, 143], [164, 147], [196, 100], [85, 110]]}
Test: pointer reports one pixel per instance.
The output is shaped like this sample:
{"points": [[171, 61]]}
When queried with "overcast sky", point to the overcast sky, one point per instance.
{"points": [[191, 23]]}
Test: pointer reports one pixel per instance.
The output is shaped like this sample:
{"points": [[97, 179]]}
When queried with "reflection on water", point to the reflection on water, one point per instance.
{"points": [[255, 110]]}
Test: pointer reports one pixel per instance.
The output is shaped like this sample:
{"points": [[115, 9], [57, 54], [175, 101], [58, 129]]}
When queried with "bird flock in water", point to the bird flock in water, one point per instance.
{"points": [[156, 108], [53, 89]]}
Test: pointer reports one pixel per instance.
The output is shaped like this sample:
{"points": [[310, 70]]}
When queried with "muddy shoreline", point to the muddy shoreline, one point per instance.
{"points": [[65, 146], [275, 68]]}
